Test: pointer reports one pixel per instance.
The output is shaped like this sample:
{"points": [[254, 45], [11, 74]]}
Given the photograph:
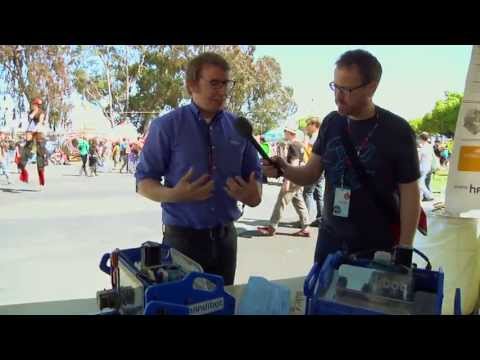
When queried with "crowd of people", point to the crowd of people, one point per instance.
{"points": [[34, 146], [101, 155]]}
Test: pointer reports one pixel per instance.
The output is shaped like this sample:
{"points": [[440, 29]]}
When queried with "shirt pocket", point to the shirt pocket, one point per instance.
{"points": [[184, 158], [230, 157]]}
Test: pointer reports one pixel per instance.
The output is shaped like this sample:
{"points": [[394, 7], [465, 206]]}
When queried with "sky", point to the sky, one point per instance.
{"points": [[414, 77]]}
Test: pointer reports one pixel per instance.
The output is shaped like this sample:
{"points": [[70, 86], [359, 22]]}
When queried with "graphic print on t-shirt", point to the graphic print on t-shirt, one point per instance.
{"points": [[335, 160]]}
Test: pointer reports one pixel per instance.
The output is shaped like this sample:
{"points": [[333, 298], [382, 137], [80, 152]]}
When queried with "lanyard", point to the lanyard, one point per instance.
{"points": [[364, 143]]}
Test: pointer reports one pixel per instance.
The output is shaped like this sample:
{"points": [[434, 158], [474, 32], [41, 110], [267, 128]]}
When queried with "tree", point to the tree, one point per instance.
{"points": [[443, 118], [38, 70], [145, 81], [416, 124], [160, 85], [258, 93], [107, 77]]}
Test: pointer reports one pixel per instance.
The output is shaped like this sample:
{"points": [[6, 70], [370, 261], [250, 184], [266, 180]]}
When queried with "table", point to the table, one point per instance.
{"points": [[89, 306]]}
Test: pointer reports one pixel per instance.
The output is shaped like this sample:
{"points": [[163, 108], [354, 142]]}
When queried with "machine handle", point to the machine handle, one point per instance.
{"points": [[457, 303], [103, 264], [310, 280]]}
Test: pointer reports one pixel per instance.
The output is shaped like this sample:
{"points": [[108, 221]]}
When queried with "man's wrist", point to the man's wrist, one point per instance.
{"points": [[172, 195], [253, 197], [281, 171], [403, 255], [252, 201]]}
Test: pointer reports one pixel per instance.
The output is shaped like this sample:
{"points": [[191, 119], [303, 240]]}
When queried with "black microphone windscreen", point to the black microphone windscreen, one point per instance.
{"points": [[243, 127]]}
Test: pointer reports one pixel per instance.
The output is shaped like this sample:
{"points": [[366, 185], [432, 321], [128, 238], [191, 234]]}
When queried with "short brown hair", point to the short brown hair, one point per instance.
{"points": [[314, 121], [368, 65], [424, 136], [195, 65]]}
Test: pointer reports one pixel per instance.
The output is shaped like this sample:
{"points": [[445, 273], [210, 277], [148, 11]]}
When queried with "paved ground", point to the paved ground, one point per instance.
{"points": [[51, 241]]}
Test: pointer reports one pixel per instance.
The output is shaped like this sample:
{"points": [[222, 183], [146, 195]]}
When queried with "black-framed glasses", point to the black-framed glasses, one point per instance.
{"points": [[218, 84], [345, 90]]}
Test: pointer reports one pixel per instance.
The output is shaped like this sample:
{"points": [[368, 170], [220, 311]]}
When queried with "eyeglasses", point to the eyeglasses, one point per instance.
{"points": [[343, 89], [218, 84]]}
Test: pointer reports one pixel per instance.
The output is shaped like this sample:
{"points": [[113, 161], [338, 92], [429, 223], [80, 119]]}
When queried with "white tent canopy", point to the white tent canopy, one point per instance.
{"points": [[124, 130], [89, 120]]}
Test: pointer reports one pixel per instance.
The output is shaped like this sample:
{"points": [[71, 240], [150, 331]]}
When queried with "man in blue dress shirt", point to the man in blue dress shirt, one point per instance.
{"points": [[197, 166]]}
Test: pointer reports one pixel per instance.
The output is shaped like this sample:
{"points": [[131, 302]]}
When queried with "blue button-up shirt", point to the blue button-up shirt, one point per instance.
{"points": [[181, 139]]}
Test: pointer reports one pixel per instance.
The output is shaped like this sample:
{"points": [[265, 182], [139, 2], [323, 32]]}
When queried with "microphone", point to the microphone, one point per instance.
{"points": [[244, 128]]}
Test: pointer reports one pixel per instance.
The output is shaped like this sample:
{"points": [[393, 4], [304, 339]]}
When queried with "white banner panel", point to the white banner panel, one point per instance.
{"points": [[462, 197]]}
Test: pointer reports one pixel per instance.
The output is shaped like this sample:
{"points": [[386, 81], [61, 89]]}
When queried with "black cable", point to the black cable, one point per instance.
{"points": [[424, 257]]}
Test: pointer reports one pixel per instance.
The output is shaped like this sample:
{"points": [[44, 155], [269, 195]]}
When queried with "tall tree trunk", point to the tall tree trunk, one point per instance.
{"points": [[47, 114], [110, 97], [127, 85]]}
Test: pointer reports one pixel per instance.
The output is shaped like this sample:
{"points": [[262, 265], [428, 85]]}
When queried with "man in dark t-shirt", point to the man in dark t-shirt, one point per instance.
{"points": [[386, 147], [289, 192]]}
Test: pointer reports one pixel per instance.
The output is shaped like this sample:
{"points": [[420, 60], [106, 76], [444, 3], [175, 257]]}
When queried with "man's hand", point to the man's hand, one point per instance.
{"points": [[246, 192], [198, 190], [269, 170]]}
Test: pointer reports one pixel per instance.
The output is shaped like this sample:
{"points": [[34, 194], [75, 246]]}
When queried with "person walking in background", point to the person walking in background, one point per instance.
{"points": [[115, 154], [10, 153], [18, 155], [290, 192], [107, 156], [313, 194], [124, 154], [425, 155], [100, 151], [3, 155], [134, 156], [434, 166], [445, 155], [93, 157], [83, 148]]}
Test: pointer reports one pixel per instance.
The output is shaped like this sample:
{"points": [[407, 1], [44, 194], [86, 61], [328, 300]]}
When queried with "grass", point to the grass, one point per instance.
{"points": [[439, 181]]}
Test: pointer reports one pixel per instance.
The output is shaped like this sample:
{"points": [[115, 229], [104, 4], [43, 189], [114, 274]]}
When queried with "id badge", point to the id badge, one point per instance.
{"points": [[341, 203]]}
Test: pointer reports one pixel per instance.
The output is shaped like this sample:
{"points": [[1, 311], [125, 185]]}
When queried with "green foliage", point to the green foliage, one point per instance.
{"points": [[416, 124], [443, 118], [139, 82], [158, 83]]}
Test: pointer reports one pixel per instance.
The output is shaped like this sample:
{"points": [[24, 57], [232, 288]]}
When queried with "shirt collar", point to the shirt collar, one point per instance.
{"points": [[196, 111]]}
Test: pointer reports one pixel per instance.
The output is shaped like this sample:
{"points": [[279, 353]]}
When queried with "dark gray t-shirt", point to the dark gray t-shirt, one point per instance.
{"points": [[294, 152], [389, 157]]}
